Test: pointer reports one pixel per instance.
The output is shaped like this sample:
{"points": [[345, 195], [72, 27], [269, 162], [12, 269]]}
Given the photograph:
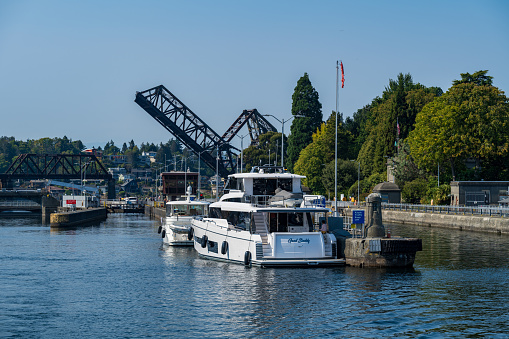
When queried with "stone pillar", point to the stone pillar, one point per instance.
{"points": [[375, 228], [111, 189], [49, 205]]}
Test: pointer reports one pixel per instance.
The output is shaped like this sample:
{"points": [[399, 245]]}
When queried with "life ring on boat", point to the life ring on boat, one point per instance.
{"points": [[247, 258], [224, 247], [163, 234], [204, 240], [190, 234], [159, 229]]}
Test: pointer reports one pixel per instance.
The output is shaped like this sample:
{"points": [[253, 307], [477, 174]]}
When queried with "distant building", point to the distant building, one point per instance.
{"points": [[471, 193], [125, 177], [174, 184], [142, 174], [147, 157], [115, 172], [116, 159], [130, 186]]}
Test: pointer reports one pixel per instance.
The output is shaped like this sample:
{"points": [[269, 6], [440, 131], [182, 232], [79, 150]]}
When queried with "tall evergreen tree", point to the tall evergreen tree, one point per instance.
{"points": [[305, 103]]}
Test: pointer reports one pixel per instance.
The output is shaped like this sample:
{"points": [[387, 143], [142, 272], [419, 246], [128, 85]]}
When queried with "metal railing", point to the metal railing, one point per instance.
{"points": [[492, 211], [19, 203]]}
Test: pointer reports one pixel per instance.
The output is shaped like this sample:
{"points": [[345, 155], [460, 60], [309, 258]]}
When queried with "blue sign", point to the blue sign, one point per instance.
{"points": [[358, 217]]}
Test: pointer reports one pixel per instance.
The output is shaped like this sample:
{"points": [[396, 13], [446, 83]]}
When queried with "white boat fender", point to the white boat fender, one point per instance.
{"points": [[204, 240], [224, 247], [159, 229], [190, 234], [247, 258], [163, 234]]}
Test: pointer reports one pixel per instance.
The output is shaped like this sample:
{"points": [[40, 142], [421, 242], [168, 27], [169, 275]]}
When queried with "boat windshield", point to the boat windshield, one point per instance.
{"points": [[268, 186], [187, 209]]}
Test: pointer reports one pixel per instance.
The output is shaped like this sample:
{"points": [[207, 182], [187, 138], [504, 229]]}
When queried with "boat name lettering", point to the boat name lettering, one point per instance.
{"points": [[299, 240]]}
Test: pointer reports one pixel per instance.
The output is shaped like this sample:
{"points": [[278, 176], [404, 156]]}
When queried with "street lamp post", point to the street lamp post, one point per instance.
{"points": [[217, 172], [283, 132], [242, 151], [199, 170]]}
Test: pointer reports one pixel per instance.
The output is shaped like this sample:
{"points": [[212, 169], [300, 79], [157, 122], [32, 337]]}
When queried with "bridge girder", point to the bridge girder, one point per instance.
{"points": [[188, 128]]}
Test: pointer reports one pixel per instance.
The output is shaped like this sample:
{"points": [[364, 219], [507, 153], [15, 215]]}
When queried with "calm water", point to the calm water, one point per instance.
{"points": [[117, 279]]}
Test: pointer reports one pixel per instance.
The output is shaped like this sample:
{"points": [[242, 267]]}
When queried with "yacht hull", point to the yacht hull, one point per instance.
{"points": [[215, 239]]}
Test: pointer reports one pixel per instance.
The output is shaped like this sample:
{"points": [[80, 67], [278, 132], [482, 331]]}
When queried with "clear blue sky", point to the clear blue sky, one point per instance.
{"points": [[73, 67]]}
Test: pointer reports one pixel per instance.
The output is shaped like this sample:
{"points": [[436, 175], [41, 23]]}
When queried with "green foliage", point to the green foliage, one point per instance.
{"points": [[357, 128], [10, 148], [404, 167], [400, 102], [347, 175], [415, 190], [479, 78], [469, 121], [110, 148], [256, 155], [305, 102], [320, 152], [440, 195]]}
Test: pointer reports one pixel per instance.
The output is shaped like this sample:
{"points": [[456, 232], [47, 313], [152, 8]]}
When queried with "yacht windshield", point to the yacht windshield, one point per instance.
{"points": [[269, 186], [186, 210]]}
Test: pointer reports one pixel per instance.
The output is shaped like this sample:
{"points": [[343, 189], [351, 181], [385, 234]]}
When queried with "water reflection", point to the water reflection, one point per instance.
{"points": [[118, 279]]}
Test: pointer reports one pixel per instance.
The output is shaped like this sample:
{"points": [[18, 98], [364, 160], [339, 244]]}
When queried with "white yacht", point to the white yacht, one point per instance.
{"points": [[265, 220], [175, 228]]}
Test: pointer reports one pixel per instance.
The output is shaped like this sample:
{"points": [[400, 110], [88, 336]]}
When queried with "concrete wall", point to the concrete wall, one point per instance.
{"points": [[76, 218], [459, 222], [155, 212]]}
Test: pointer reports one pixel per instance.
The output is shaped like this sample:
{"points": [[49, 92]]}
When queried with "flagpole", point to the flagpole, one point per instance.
{"points": [[336, 148]]}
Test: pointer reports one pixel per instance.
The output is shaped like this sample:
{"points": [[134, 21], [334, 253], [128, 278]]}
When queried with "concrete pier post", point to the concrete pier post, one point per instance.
{"points": [[48, 205], [375, 228], [374, 249]]}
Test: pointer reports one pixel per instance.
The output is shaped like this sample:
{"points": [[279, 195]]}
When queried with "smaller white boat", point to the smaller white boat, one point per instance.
{"points": [[179, 214]]}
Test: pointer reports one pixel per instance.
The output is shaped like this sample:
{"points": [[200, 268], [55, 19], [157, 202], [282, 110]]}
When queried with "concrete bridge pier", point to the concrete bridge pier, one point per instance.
{"points": [[48, 205]]}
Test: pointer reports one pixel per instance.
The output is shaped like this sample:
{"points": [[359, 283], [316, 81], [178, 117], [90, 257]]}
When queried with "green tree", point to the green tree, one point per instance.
{"points": [[269, 144], [414, 191], [320, 152], [468, 121], [347, 176], [404, 167], [479, 78], [304, 103], [399, 105]]}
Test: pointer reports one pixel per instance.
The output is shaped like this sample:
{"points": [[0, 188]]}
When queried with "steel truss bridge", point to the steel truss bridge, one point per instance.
{"points": [[57, 166], [195, 134]]}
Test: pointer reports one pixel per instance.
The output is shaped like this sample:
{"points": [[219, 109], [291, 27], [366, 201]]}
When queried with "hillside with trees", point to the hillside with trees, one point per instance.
{"points": [[420, 132]]}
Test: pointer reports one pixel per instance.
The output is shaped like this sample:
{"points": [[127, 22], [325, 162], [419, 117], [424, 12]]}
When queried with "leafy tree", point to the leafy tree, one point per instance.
{"points": [[110, 148], [305, 103], [399, 104], [320, 152], [413, 191], [357, 127], [468, 121], [256, 155], [479, 78], [347, 176], [404, 168]]}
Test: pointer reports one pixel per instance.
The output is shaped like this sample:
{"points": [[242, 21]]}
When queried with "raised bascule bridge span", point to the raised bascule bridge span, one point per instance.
{"points": [[195, 134]]}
